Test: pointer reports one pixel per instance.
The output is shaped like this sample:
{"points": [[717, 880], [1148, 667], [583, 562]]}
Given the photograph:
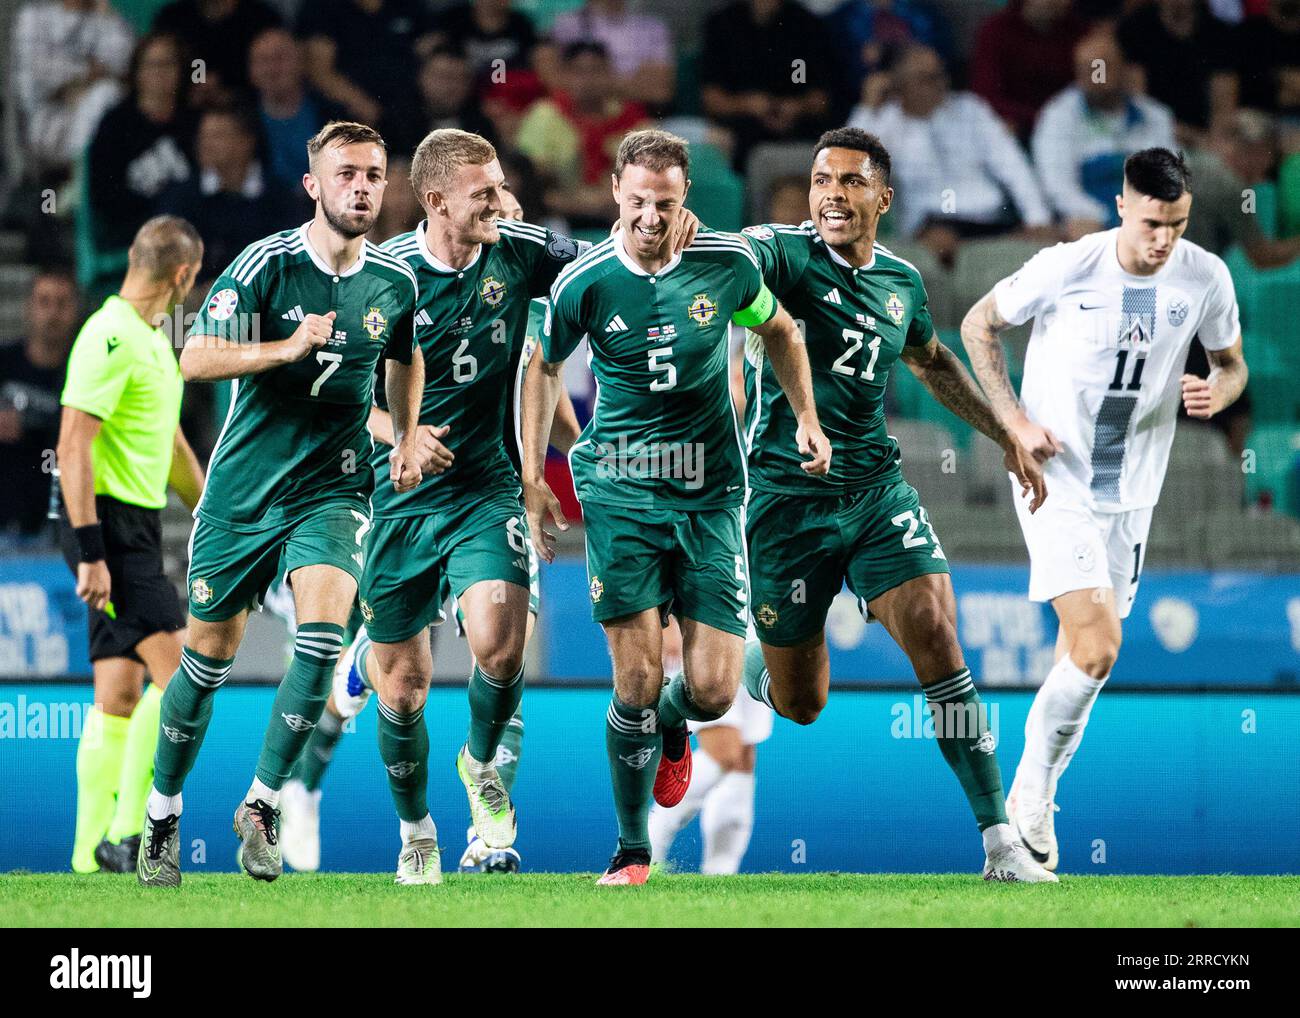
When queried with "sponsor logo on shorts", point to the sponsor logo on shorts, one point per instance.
{"points": [[766, 615], [403, 768], [375, 323], [297, 722], [639, 759], [986, 744], [1084, 558], [176, 735], [200, 591], [367, 612], [702, 309], [597, 589]]}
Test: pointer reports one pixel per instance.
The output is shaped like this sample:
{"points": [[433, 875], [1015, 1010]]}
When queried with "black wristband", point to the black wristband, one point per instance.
{"points": [[90, 541]]}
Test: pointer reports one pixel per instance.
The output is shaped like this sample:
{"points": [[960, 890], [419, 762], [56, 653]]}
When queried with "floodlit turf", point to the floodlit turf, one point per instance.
{"points": [[818, 899]]}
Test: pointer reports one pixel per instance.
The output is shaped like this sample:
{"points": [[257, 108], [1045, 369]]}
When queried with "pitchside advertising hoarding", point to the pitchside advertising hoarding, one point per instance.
{"points": [[1187, 629]]}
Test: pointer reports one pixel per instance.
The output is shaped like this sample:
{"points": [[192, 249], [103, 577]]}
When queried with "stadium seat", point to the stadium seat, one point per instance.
{"points": [[1288, 196], [717, 194], [768, 163], [95, 267], [1276, 466], [1203, 475], [982, 263], [931, 461], [1274, 395]]}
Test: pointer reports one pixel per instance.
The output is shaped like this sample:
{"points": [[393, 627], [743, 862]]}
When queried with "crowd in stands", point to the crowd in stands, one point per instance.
{"points": [[1012, 127]]}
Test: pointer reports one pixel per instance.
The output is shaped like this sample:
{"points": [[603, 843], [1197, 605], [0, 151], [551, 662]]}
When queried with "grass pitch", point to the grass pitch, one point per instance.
{"points": [[553, 899]]}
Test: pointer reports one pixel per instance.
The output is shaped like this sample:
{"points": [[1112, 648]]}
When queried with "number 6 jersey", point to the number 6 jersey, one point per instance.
{"points": [[1106, 356]]}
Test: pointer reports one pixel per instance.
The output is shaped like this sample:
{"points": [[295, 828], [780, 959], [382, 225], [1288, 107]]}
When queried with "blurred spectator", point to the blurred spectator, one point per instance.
{"points": [[401, 210], [1085, 133], [572, 137], [231, 201], [31, 378], [1243, 155], [869, 32], [67, 58], [487, 31], [364, 55], [787, 201], [1266, 58], [640, 48], [525, 184], [142, 145], [1181, 49], [766, 72], [447, 99], [289, 110], [218, 32], [955, 164], [1022, 58]]}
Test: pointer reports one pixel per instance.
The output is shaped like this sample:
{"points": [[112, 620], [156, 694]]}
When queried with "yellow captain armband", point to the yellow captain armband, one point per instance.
{"points": [[758, 312]]}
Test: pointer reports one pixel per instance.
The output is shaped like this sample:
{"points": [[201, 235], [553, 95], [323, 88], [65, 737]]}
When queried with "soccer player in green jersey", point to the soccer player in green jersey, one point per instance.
{"points": [[863, 310], [660, 469], [299, 321]]}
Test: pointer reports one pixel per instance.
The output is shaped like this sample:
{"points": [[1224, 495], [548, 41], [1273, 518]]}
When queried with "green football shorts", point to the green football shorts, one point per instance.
{"points": [[803, 549], [231, 570], [414, 563], [689, 562]]}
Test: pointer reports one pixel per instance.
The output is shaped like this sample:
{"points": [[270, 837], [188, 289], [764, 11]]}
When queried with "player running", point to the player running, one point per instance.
{"points": [[864, 310], [1114, 313], [660, 469], [299, 321]]}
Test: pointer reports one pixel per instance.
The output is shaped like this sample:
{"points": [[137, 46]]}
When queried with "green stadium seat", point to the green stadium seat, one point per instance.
{"points": [[1276, 449], [543, 12], [1288, 197], [1266, 208], [1274, 395], [717, 193], [96, 269]]}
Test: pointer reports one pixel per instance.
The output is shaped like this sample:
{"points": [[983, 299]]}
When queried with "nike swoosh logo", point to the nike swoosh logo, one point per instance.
{"points": [[1091, 307], [1039, 857]]}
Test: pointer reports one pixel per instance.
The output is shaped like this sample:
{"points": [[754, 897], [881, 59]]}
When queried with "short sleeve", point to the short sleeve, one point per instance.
{"points": [[921, 327], [401, 338], [782, 257], [1032, 290], [1222, 324], [562, 330], [98, 371], [233, 307]]}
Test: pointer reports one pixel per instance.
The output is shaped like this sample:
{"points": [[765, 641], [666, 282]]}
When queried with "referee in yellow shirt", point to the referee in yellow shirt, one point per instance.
{"points": [[120, 446]]}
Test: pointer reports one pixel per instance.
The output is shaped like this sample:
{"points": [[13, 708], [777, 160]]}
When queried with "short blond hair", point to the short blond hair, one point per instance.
{"points": [[654, 150], [342, 132], [442, 153]]}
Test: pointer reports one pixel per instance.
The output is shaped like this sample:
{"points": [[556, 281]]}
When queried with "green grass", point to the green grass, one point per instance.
{"points": [[821, 899]]}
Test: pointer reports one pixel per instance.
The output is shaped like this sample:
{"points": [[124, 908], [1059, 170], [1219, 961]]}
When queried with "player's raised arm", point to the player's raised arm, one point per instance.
{"points": [[942, 372], [981, 334], [212, 358], [785, 349]]}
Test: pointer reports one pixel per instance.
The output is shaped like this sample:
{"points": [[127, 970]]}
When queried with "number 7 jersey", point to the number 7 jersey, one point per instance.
{"points": [[1106, 356]]}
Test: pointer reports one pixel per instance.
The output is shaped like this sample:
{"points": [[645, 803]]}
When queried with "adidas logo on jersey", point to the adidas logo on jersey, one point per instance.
{"points": [[422, 318], [295, 315], [833, 297], [616, 324]]}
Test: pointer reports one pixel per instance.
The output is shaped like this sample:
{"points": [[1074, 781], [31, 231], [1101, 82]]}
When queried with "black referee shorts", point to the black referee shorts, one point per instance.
{"points": [[144, 600]]}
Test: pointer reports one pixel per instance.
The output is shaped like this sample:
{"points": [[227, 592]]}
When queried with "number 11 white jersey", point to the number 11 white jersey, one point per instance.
{"points": [[1105, 358]]}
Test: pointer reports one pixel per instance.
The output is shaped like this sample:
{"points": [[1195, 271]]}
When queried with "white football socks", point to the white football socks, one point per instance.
{"points": [[1054, 728], [160, 806], [259, 790], [727, 821], [666, 823], [419, 829]]}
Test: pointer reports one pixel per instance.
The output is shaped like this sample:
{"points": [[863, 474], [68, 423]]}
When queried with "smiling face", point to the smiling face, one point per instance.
{"points": [[847, 196], [472, 203], [1149, 228], [649, 204], [348, 181]]}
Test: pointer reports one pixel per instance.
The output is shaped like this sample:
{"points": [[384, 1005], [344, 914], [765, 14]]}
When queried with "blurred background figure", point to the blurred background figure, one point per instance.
{"points": [[219, 33], [640, 48]]}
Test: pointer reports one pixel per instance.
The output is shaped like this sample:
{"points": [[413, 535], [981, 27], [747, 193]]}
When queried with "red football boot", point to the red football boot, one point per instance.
{"points": [[674, 774]]}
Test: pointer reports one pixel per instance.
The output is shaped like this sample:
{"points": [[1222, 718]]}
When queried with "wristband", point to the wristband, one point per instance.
{"points": [[90, 541]]}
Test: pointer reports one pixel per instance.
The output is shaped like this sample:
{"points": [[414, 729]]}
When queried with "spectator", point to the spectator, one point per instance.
{"points": [[1266, 59], [231, 201], [766, 73], [364, 55], [218, 32], [787, 201], [290, 112], [401, 210], [1181, 50], [1085, 133], [448, 99], [142, 145], [640, 48], [1022, 58], [67, 58], [869, 32], [32, 373], [955, 164], [572, 136], [487, 31]]}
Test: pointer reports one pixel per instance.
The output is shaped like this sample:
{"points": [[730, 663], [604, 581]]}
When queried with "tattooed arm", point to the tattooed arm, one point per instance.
{"points": [[1205, 397], [942, 372]]}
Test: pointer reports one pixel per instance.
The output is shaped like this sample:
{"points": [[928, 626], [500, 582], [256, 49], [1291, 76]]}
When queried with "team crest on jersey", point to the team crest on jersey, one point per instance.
{"points": [[1178, 310], [702, 309], [894, 306], [200, 591], [222, 304], [375, 324], [597, 590], [493, 291], [759, 232], [766, 615]]}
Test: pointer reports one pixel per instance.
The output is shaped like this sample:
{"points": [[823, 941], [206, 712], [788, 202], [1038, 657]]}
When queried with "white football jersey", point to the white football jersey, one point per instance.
{"points": [[1106, 356]]}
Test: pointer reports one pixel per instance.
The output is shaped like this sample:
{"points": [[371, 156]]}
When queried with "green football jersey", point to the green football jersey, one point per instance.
{"points": [[663, 433], [856, 321], [470, 326], [295, 436]]}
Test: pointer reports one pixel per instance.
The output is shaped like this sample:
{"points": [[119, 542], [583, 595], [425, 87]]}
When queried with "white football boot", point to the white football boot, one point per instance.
{"points": [[300, 826], [419, 862], [1034, 822]]}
